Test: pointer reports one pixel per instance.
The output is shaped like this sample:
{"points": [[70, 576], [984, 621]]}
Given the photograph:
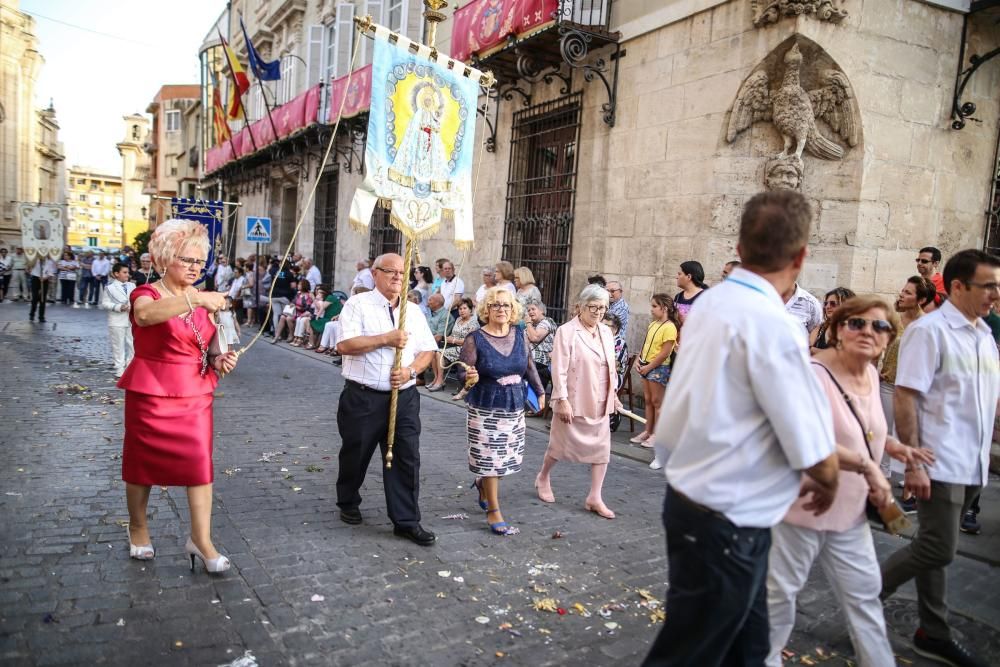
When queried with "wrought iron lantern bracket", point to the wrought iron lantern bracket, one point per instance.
{"points": [[963, 111]]}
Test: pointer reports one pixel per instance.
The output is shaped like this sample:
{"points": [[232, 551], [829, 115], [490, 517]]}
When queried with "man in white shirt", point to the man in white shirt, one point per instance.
{"points": [[100, 269], [6, 271], [368, 343], [452, 287], [41, 271], [223, 275], [364, 277], [804, 307], [947, 388], [116, 302], [747, 417], [20, 280], [312, 273]]}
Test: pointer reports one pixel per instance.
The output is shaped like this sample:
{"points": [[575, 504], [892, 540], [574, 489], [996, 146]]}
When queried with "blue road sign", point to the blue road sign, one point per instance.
{"points": [[258, 230]]}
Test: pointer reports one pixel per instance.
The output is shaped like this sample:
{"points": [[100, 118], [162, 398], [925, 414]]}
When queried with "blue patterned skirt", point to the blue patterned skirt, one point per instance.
{"points": [[496, 442]]}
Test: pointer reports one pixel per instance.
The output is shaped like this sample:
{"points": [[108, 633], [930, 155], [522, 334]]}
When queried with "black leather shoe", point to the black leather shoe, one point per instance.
{"points": [[417, 534], [351, 516]]}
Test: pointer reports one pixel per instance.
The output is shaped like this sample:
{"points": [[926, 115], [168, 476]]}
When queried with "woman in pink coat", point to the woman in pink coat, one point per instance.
{"points": [[584, 382]]}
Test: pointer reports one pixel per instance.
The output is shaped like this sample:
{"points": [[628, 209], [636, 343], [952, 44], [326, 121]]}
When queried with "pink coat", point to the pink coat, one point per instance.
{"points": [[575, 381]]}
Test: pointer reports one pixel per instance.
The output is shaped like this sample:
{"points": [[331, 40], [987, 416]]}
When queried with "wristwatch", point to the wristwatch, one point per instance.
{"points": [[413, 373]]}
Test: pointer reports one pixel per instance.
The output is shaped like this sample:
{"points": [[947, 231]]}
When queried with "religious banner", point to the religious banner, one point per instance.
{"points": [[484, 24], [421, 135], [41, 230], [208, 213]]}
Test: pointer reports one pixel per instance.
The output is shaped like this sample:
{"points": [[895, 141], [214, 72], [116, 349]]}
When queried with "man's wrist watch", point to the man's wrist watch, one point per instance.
{"points": [[413, 373]]}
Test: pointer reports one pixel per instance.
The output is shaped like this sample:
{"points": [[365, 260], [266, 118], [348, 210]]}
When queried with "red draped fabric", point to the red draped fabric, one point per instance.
{"points": [[484, 24], [359, 94]]}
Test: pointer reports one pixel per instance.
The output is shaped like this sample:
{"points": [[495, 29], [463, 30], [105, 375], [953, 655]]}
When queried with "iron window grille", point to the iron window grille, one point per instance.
{"points": [[383, 237]]}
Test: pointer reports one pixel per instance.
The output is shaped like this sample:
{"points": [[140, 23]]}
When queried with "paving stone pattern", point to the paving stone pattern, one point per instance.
{"points": [[70, 595]]}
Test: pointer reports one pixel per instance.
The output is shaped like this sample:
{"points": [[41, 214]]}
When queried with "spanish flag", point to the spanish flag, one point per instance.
{"points": [[241, 83]]}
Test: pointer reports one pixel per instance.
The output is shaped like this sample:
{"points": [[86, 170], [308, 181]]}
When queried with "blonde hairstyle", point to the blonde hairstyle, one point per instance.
{"points": [[483, 309], [525, 275], [854, 307], [170, 237], [505, 271]]}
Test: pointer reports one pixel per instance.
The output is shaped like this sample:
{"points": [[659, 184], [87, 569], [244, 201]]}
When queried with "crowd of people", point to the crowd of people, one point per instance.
{"points": [[757, 492]]}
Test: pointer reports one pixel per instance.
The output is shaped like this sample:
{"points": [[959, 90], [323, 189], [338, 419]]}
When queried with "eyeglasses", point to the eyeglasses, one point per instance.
{"points": [[390, 272], [989, 287], [859, 324], [501, 306], [191, 262], [612, 290], [924, 261], [597, 310]]}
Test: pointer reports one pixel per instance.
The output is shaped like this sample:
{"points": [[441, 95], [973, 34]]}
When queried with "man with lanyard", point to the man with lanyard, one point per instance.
{"points": [[947, 388], [368, 343], [735, 453]]}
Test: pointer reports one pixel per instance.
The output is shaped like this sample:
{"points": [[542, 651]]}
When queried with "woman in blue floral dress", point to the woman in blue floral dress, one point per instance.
{"points": [[498, 360]]}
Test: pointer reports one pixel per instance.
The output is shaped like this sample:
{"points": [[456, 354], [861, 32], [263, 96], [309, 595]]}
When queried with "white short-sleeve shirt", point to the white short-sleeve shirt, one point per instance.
{"points": [[806, 308], [744, 412], [369, 314], [954, 365], [449, 288]]}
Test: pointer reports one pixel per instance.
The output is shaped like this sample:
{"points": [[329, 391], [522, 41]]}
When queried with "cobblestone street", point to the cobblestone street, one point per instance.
{"points": [[307, 589]]}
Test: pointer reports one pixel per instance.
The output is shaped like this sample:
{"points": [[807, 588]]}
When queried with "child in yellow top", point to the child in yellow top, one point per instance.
{"points": [[653, 363]]}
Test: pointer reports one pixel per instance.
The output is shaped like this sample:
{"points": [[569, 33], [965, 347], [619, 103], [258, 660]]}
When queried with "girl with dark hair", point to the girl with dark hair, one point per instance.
{"points": [[424, 283], [653, 363], [835, 297], [691, 280]]}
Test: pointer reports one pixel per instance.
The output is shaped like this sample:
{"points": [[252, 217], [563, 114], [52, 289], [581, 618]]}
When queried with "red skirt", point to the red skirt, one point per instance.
{"points": [[168, 440]]}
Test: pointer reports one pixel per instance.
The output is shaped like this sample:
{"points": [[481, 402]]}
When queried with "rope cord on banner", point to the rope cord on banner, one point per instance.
{"points": [[305, 206]]}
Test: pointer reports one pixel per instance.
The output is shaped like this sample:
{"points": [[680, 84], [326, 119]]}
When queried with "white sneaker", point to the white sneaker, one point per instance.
{"points": [[655, 465]]}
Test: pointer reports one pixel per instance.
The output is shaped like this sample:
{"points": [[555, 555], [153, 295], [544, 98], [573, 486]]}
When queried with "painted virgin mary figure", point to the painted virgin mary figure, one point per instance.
{"points": [[421, 161]]}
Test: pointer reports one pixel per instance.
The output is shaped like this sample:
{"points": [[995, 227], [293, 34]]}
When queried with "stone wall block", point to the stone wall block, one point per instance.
{"points": [[673, 38], [872, 227], [694, 138], [836, 220], [862, 271], [739, 176], [713, 94], [888, 138], [698, 177], [959, 192], [920, 104], [620, 220], [655, 107], [905, 21], [877, 93], [660, 180], [893, 268], [651, 146], [908, 62], [681, 216], [902, 183], [725, 214], [731, 18]]}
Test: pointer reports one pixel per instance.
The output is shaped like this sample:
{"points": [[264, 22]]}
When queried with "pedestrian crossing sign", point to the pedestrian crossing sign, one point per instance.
{"points": [[258, 230]]}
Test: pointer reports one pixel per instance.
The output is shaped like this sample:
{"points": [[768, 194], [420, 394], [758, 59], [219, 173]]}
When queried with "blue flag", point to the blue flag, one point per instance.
{"points": [[209, 214], [264, 71]]}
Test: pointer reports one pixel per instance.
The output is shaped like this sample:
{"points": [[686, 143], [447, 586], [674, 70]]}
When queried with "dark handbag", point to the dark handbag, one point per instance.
{"points": [[891, 517]]}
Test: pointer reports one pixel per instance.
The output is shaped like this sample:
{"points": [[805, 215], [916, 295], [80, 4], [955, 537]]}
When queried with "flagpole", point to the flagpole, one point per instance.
{"points": [[227, 50], [263, 94]]}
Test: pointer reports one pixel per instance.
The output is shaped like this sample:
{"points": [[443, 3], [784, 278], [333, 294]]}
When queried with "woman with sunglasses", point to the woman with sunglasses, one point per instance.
{"points": [[498, 360], [818, 338], [584, 393], [168, 390], [840, 539]]}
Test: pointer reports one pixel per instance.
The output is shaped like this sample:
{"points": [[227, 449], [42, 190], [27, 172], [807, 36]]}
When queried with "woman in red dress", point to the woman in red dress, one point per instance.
{"points": [[168, 390]]}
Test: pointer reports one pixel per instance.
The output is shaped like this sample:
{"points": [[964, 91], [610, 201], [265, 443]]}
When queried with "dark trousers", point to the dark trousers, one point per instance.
{"points": [[717, 599], [363, 420], [97, 284], [4, 286], [39, 294], [83, 288], [68, 288]]}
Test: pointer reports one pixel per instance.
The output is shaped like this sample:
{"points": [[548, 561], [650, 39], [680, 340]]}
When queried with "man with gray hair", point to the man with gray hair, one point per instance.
{"points": [[364, 277], [489, 280], [311, 272], [619, 306]]}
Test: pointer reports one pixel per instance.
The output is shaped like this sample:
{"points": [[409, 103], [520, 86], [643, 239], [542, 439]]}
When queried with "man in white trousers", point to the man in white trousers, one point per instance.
{"points": [[116, 302]]}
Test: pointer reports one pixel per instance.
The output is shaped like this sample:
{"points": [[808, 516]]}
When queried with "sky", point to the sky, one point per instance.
{"points": [[112, 63]]}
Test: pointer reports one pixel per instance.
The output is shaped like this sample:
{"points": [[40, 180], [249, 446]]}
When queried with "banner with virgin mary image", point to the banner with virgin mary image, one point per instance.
{"points": [[41, 230], [421, 135]]}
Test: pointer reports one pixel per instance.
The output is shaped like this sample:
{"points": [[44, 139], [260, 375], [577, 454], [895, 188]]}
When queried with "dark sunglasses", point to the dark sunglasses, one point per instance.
{"points": [[859, 323], [924, 261], [833, 304]]}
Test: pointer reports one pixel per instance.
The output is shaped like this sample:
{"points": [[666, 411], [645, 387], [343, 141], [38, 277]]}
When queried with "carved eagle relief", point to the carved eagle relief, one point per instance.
{"points": [[794, 111]]}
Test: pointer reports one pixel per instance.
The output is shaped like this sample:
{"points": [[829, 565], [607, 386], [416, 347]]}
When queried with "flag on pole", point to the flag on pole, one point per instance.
{"points": [[262, 70], [222, 133], [241, 83]]}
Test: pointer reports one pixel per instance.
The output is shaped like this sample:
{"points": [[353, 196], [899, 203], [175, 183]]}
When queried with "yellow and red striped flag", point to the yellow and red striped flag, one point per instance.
{"points": [[241, 83]]}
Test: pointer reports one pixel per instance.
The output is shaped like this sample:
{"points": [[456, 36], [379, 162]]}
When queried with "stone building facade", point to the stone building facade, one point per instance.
{"points": [[32, 159], [94, 209], [624, 138], [173, 147], [135, 171]]}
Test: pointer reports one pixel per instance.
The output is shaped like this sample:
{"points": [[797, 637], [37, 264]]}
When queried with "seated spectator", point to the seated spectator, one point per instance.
{"points": [[326, 308], [466, 323], [416, 297], [541, 332], [438, 323], [301, 305], [504, 276], [527, 291]]}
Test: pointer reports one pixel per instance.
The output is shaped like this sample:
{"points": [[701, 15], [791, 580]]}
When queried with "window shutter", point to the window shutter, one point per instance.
{"points": [[314, 59], [374, 9], [345, 38]]}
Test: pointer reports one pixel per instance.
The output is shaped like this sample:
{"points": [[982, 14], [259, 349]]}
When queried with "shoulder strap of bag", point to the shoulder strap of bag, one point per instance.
{"points": [[850, 406]]}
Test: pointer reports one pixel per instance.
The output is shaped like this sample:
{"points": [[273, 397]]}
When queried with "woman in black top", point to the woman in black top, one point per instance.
{"points": [[691, 280], [835, 297]]}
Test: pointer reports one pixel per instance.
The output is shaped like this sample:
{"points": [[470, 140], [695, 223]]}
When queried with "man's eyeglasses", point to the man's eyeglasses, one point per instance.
{"points": [[613, 290], [596, 310], [989, 287], [859, 324], [501, 306], [924, 261], [191, 262], [390, 272]]}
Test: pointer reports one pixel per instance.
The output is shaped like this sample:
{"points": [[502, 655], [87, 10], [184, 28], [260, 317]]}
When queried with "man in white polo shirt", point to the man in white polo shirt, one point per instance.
{"points": [[747, 417], [369, 339], [452, 287], [947, 388]]}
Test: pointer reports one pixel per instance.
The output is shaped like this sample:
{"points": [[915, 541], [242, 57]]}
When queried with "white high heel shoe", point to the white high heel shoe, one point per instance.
{"points": [[213, 565], [143, 552]]}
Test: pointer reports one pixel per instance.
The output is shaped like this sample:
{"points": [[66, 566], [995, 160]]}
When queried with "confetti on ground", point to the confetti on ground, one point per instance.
{"points": [[482, 620], [12, 493], [580, 609], [457, 517], [535, 570], [296, 488], [317, 598], [120, 623], [545, 604], [266, 457], [658, 616], [444, 573], [313, 468], [458, 580], [558, 535]]}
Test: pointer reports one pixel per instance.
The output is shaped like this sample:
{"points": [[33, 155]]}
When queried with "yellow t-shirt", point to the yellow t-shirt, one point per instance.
{"points": [[658, 334]]}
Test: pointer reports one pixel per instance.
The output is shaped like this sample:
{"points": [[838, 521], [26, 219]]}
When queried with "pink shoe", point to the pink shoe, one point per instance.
{"points": [[641, 438]]}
